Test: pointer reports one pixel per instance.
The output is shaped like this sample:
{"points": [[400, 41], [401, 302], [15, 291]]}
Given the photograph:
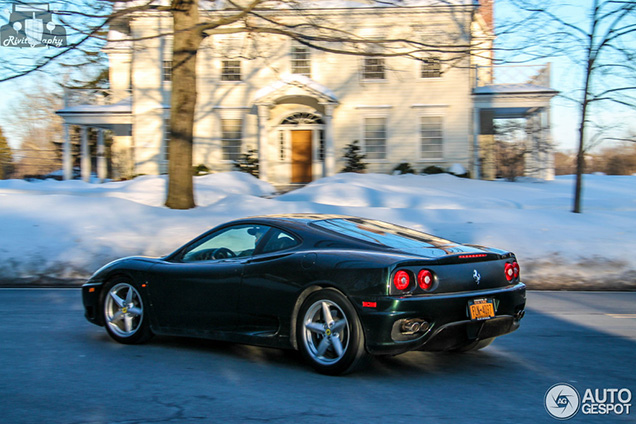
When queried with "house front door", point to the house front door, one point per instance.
{"points": [[301, 159]]}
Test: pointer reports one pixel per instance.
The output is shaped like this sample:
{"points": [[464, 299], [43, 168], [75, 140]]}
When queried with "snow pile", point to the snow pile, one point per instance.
{"points": [[65, 230]]}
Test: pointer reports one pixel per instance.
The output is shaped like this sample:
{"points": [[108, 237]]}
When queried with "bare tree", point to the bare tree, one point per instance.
{"points": [[35, 126], [510, 149], [6, 157], [599, 37], [195, 20]]}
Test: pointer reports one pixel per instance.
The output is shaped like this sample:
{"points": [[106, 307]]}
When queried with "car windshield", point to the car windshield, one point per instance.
{"points": [[381, 233]]}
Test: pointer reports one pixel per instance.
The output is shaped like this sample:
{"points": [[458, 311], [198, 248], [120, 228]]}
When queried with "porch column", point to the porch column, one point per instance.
{"points": [[476, 131], [329, 162], [86, 156], [263, 116], [67, 160], [550, 151], [101, 156]]}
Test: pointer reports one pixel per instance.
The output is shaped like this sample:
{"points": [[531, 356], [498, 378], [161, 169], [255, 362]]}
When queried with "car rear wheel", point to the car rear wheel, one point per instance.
{"points": [[125, 316], [329, 333]]}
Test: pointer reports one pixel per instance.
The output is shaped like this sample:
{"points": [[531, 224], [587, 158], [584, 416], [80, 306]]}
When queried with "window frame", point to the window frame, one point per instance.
{"points": [[224, 140], [231, 77], [166, 71], [421, 137], [421, 69], [293, 61], [207, 237], [365, 66], [165, 145], [275, 232], [363, 137]]}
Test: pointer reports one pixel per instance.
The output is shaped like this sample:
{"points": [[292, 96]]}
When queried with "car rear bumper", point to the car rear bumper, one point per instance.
{"points": [[444, 319]]}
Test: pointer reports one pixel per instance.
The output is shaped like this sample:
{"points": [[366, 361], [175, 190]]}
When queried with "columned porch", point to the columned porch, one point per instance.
{"points": [[101, 110], [528, 100], [295, 131]]}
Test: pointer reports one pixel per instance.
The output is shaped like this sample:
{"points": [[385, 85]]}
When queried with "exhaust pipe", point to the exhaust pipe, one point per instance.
{"points": [[412, 326], [520, 314]]}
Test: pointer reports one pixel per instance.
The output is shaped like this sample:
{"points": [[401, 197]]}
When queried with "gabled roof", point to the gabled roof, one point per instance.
{"points": [[294, 85]]}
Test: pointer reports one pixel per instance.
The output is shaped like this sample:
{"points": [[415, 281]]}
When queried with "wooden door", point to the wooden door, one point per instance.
{"points": [[301, 153]]}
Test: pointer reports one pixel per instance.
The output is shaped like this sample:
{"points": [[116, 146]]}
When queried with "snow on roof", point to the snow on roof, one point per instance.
{"points": [[123, 106], [298, 81], [350, 4], [513, 89]]}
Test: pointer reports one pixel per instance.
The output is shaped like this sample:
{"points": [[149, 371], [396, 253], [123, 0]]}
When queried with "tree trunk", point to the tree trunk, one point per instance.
{"points": [[187, 40], [580, 162], [580, 157]]}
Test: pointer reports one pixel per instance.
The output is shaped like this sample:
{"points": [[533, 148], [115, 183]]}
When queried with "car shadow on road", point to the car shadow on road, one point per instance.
{"points": [[545, 349]]}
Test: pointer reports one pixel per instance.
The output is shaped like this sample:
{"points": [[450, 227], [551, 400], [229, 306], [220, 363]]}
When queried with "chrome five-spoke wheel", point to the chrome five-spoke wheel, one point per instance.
{"points": [[124, 314], [326, 335], [329, 334]]}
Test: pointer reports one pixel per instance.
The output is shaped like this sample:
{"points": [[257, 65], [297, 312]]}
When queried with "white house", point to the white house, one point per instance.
{"points": [[299, 107]]}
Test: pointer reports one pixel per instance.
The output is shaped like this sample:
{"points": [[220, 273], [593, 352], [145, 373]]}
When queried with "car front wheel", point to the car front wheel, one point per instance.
{"points": [[329, 333], [125, 316]]}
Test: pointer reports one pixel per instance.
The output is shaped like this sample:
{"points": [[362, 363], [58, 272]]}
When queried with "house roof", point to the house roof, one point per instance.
{"points": [[349, 4], [302, 85], [122, 107], [514, 89]]}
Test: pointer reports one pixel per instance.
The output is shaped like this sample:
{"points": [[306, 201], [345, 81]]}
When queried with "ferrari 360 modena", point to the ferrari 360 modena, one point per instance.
{"points": [[339, 289]]}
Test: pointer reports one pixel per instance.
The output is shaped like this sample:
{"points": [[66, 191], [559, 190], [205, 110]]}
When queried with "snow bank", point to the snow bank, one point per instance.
{"points": [[66, 230]]}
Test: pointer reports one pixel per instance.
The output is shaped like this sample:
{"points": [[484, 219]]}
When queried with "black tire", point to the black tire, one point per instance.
{"points": [[331, 346], [124, 312], [474, 346]]}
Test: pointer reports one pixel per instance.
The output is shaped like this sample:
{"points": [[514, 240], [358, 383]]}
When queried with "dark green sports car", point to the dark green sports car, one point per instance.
{"points": [[337, 288]]}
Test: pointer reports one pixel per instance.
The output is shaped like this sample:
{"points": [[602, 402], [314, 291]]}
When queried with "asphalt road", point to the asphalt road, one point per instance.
{"points": [[55, 367]]}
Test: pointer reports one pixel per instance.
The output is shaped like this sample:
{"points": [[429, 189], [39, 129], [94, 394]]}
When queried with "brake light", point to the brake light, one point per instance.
{"points": [[401, 280], [425, 279], [510, 271], [473, 256], [515, 268]]}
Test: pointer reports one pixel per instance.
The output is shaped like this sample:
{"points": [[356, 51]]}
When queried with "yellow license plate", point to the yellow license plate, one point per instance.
{"points": [[481, 309]]}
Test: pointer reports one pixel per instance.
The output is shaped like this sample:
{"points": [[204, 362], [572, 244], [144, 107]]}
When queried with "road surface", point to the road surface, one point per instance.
{"points": [[55, 367]]}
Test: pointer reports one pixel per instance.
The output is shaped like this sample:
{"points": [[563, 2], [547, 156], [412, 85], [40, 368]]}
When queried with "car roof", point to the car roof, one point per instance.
{"points": [[300, 222], [299, 217]]}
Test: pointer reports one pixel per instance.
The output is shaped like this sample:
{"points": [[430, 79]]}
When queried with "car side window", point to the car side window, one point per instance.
{"points": [[232, 242], [279, 240]]}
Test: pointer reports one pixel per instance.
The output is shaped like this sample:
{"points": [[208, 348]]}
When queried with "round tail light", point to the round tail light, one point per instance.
{"points": [[425, 279], [401, 280], [510, 272], [515, 268]]}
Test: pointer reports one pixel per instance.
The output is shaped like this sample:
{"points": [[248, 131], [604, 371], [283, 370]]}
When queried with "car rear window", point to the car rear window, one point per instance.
{"points": [[382, 233]]}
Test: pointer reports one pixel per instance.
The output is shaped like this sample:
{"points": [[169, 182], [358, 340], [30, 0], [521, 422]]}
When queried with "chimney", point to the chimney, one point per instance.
{"points": [[487, 9]]}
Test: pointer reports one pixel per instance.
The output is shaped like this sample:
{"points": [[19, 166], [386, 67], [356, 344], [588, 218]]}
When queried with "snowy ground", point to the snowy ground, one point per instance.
{"points": [[62, 231]]}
